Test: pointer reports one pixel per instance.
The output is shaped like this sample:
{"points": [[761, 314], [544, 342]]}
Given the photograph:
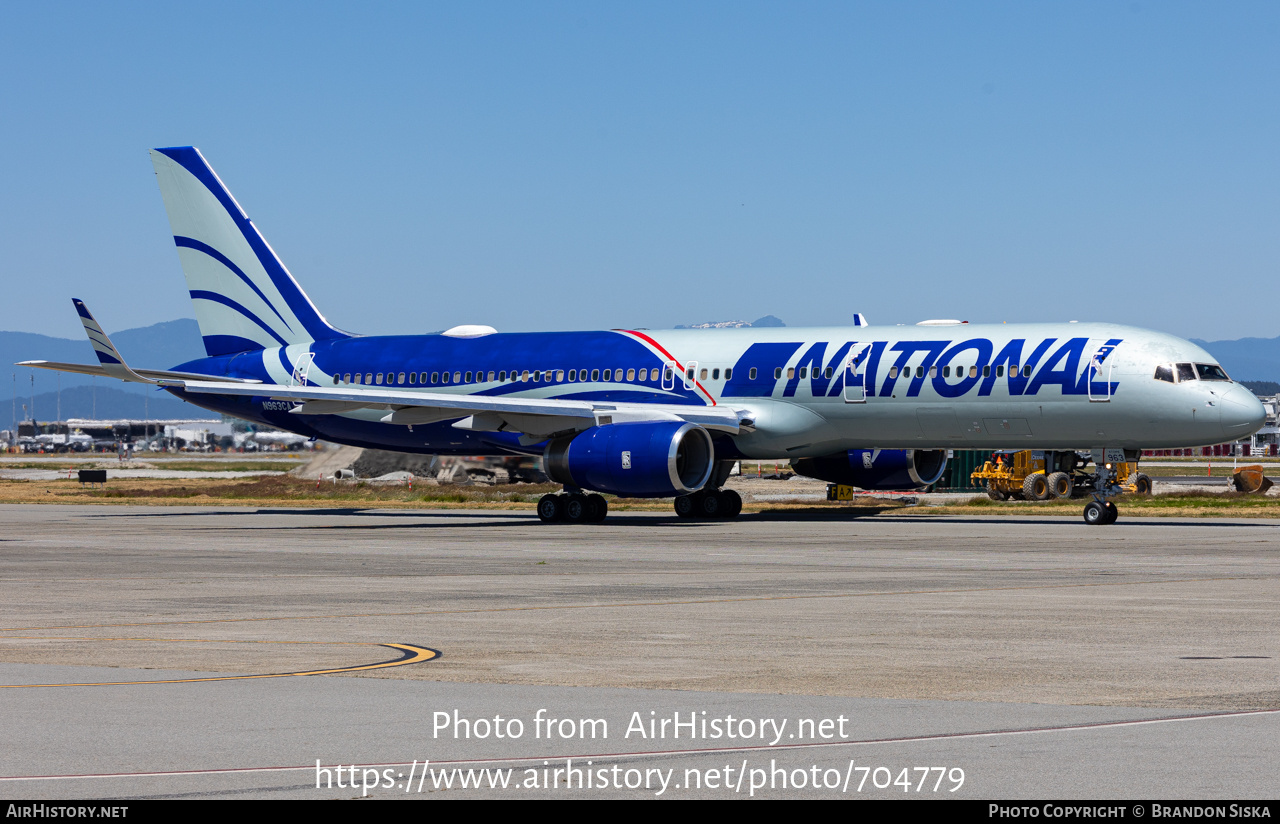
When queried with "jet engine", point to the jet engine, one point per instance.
{"points": [[876, 468], [634, 459]]}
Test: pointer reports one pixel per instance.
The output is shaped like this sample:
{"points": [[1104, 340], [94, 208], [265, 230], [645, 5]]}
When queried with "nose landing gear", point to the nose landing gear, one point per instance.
{"points": [[1100, 511]]}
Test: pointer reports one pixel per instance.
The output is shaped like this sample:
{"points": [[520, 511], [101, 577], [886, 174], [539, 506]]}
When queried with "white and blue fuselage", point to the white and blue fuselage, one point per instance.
{"points": [[665, 413]]}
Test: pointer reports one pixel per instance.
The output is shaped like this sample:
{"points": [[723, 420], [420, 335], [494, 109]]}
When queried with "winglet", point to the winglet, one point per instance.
{"points": [[112, 362]]}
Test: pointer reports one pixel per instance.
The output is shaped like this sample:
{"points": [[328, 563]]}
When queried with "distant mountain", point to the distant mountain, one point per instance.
{"points": [[103, 402], [766, 321], [160, 346], [1247, 359]]}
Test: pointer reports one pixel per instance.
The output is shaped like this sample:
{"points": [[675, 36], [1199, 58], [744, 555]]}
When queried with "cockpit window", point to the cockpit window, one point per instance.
{"points": [[1164, 372], [1211, 372], [1186, 372]]}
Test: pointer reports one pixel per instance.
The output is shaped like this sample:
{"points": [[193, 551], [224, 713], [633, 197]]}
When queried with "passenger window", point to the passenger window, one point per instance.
{"points": [[413, 378], [378, 379], [336, 378], [1026, 371], [631, 374], [467, 378], [1000, 371], [1186, 372], [752, 374], [606, 374], [346, 378], [559, 375], [715, 374], [973, 371], [829, 372], [933, 371], [502, 376], [400, 378], [986, 371], [919, 371], [595, 374], [368, 377], [457, 377], [804, 372], [524, 376], [728, 374], [893, 372], [422, 378], [491, 375], [1013, 370], [791, 373], [573, 374], [777, 373], [689, 373], [1164, 372], [435, 378]]}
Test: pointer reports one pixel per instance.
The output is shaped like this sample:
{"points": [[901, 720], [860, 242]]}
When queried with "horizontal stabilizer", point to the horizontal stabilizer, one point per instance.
{"points": [[153, 375]]}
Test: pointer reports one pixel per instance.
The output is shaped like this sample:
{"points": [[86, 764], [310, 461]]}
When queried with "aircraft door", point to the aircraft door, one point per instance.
{"points": [[690, 374], [302, 368], [855, 374], [669, 375], [1097, 364]]}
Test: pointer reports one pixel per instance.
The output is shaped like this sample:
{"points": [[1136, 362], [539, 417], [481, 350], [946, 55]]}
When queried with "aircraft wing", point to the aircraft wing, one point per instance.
{"points": [[538, 418]]}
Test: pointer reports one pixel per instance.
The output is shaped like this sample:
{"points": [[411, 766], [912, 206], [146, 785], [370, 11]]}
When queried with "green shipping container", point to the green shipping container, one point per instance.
{"points": [[961, 464]]}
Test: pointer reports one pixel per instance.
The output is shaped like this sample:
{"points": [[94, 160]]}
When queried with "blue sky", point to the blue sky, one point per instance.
{"points": [[541, 166]]}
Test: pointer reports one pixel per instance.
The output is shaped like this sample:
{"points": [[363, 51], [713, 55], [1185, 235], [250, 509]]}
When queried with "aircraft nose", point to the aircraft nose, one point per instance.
{"points": [[1242, 413]]}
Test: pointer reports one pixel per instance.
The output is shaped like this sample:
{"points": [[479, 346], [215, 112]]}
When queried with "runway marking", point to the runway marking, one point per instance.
{"points": [[908, 739], [631, 604], [411, 654]]}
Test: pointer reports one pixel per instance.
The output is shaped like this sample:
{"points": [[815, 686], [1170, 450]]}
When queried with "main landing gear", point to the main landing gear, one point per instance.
{"points": [[709, 503], [573, 508]]}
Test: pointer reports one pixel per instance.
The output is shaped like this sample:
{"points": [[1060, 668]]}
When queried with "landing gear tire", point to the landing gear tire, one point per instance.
{"points": [[1100, 514], [685, 506], [1059, 485], [598, 507], [550, 508], [709, 504], [1036, 487], [576, 509]]}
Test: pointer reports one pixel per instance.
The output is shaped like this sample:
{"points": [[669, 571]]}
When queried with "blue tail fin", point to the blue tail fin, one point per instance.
{"points": [[245, 299]]}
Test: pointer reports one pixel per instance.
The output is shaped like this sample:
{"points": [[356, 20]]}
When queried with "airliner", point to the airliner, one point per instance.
{"points": [[640, 413]]}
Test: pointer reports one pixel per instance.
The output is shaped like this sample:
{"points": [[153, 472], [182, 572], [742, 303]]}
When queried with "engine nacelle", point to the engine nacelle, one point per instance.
{"points": [[634, 459], [877, 468]]}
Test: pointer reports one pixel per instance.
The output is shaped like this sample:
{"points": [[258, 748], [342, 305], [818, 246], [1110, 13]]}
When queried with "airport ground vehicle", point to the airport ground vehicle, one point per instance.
{"points": [[1037, 475], [642, 413]]}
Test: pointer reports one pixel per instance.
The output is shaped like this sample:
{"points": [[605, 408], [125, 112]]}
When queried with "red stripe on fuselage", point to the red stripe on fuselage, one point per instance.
{"points": [[670, 357]]}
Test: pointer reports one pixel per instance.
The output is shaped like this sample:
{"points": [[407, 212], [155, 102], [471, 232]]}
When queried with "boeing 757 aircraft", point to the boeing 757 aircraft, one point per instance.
{"points": [[659, 414]]}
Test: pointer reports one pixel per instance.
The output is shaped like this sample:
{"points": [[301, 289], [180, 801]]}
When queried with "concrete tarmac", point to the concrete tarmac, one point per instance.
{"points": [[988, 657]]}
